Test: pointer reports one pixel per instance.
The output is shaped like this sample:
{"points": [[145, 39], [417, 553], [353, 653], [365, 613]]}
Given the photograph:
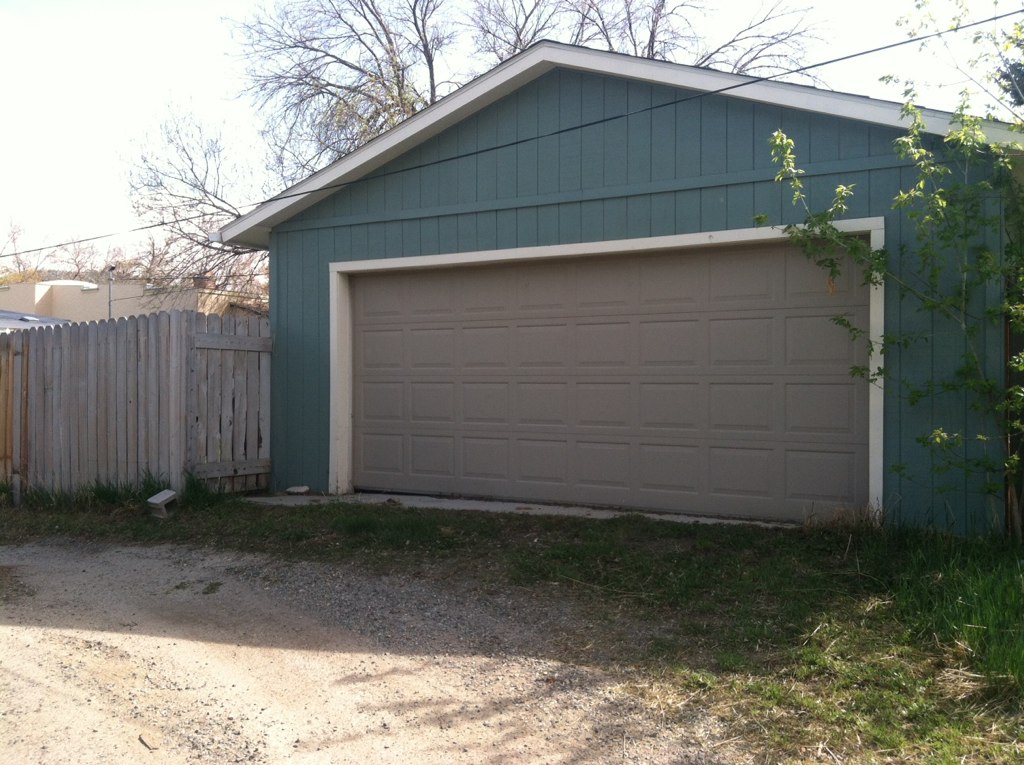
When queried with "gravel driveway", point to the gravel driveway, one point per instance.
{"points": [[172, 655]]}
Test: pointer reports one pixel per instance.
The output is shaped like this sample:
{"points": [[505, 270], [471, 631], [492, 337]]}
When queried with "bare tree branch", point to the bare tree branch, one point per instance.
{"points": [[16, 266], [503, 28], [773, 40], [185, 187], [331, 74]]}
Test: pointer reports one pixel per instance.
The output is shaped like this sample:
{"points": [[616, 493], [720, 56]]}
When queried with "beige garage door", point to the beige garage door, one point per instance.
{"points": [[709, 382]]}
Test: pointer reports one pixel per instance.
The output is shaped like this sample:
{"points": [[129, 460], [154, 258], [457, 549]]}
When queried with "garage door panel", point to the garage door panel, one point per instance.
{"points": [[542, 403], [432, 348], [741, 406], [608, 284], [381, 349], [741, 471], [687, 382], [673, 283], [746, 341], [432, 456], [432, 402], [542, 345], [542, 460], [823, 407], [485, 293], [380, 297], [604, 404], [817, 340], [672, 405], [486, 403], [821, 476], [486, 458], [543, 287], [382, 401], [742, 278], [380, 453], [486, 347], [604, 345], [431, 295], [672, 343], [809, 284], [603, 464], [671, 469]]}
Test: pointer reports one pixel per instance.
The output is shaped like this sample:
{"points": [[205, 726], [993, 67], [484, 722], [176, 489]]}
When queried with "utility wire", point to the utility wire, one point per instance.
{"points": [[592, 123]]}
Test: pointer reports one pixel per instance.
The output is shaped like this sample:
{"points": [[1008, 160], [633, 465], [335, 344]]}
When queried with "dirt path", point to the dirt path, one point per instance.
{"points": [[168, 655]]}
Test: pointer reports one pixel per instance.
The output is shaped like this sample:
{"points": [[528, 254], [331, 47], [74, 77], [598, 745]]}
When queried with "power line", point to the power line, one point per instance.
{"points": [[87, 239], [592, 123], [642, 110]]}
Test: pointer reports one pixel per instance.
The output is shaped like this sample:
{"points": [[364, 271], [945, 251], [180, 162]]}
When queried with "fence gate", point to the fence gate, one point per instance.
{"points": [[113, 402], [229, 403]]}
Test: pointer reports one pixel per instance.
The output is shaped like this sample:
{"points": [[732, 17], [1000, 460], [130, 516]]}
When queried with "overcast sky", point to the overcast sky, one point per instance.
{"points": [[85, 83]]}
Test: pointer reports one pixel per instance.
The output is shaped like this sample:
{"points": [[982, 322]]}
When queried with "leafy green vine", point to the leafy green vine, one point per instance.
{"points": [[966, 196]]}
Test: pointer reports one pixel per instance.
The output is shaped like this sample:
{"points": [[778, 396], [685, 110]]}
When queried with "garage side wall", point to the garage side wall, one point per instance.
{"points": [[576, 157]]}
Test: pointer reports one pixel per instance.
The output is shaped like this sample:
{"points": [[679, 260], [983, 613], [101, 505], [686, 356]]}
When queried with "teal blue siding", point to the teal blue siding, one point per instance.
{"points": [[688, 211], [740, 139], [663, 214], [714, 150], [577, 157], [767, 120]]}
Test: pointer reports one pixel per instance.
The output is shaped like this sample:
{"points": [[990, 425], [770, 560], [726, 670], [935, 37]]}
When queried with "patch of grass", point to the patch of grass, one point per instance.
{"points": [[965, 593], [198, 495], [874, 645]]}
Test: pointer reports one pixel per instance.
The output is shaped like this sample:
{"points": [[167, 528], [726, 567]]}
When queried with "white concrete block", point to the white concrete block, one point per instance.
{"points": [[158, 502]]}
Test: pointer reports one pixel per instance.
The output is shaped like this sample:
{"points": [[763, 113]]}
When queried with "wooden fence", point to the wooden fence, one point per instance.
{"points": [[113, 402]]}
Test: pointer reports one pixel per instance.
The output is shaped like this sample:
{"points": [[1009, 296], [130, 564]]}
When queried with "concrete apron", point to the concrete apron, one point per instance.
{"points": [[492, 506]]}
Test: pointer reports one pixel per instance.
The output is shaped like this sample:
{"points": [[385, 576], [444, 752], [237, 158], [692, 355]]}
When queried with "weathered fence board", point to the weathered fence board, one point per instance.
{"points": [[6, 405], [19, 410], [115, 402]]}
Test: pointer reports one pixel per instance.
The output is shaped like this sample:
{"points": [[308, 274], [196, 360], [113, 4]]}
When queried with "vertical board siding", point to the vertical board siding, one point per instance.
{"points": [[643, 160], [123, 401]]}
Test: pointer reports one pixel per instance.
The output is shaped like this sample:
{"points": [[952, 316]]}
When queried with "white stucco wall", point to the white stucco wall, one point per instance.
{"points": [[83, 301]]}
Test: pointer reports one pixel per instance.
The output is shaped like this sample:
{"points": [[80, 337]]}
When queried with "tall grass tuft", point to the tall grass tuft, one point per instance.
{"points": [[967, 594], [111, 497], [197, 494]]}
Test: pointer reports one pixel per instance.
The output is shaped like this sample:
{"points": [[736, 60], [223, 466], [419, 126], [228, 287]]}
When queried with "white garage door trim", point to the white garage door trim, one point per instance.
{"points": [[341, 338]]}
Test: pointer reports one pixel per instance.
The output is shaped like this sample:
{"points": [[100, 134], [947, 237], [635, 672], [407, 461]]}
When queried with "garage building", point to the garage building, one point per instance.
{"points": [[549, 286]]}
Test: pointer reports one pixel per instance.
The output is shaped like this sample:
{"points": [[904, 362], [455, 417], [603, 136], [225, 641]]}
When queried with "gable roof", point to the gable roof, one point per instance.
{"points": [[253, 228]]}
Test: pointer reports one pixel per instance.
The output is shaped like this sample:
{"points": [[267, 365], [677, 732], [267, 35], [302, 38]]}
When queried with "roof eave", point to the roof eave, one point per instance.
{"points": [[253, 229]]}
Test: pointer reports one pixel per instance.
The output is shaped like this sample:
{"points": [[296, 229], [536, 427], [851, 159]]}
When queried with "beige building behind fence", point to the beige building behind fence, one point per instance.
{"points": [[84, 301]]}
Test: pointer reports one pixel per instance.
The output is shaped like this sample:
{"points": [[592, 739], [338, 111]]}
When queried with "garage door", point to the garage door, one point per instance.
{"points": [[710, 382]]}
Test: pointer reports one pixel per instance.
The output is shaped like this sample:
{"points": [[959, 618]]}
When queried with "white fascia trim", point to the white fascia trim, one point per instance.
{"points": [[253, 229], [584, 249], [876, 389], [341, 340], [339, 468], [772, 92]]}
